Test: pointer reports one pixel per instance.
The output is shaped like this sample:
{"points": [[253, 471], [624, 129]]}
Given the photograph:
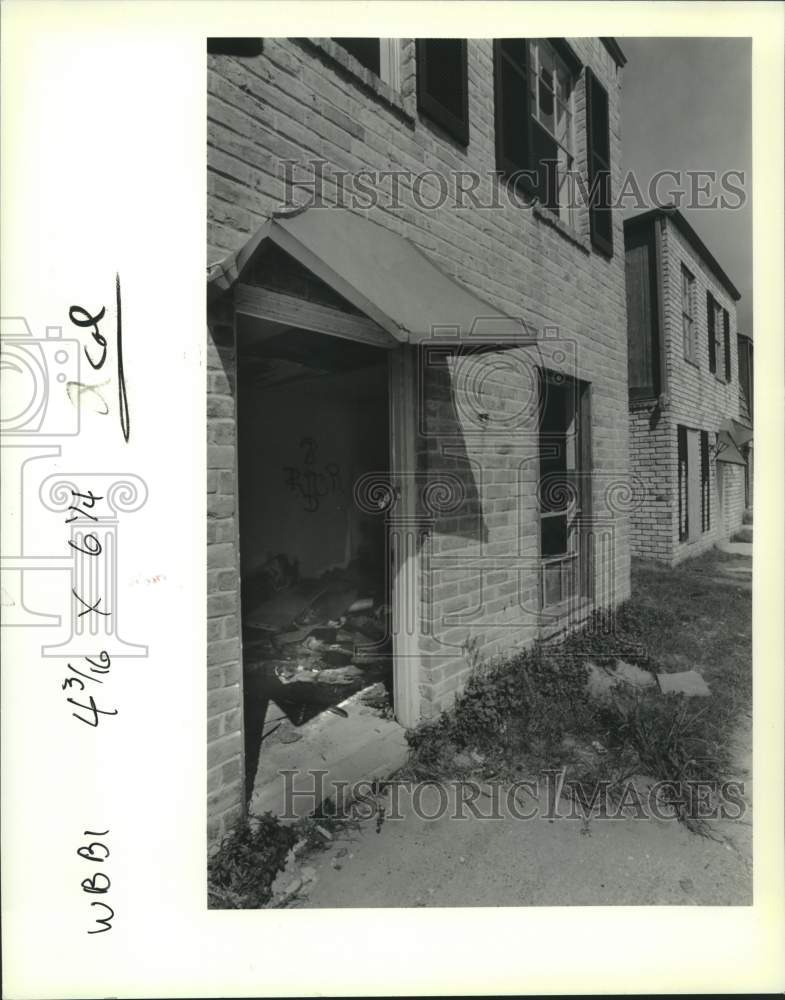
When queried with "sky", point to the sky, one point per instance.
{"points": [[687, 105]]}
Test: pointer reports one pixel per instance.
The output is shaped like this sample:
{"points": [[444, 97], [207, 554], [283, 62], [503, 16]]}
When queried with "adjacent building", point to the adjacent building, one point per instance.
{"points": [[417, 354], [687, 379]]}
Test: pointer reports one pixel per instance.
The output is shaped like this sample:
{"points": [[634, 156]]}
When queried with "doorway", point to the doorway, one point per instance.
{"points": [[314, 417]]}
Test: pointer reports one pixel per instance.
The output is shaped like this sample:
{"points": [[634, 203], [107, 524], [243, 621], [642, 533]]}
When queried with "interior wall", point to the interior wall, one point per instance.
{"points": [[302, 446]]}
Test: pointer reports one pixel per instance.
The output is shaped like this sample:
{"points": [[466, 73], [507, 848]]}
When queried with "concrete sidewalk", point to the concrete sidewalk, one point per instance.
{"points": [[530, 862]]}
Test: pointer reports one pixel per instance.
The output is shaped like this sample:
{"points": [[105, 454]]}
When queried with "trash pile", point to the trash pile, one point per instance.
{"points": [[311, 643]]}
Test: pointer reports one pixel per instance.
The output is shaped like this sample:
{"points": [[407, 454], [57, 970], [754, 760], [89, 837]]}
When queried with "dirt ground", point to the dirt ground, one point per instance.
{"points": [[560, 861]]}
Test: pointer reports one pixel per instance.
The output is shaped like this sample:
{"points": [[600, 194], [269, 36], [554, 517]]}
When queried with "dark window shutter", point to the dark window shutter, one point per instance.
{"points": [[681, 441], [511, 106], [443, 84], [726, 320], [367, 51], [241, 47], [710, 324], [705, 487], [599, 163]]}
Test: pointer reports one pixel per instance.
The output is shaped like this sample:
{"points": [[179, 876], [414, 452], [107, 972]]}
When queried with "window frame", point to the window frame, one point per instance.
{"points": [[527, 175], [719, 343], [575, 560], [565, 212], [389, 61], [705, 471], [688, 323], [682, 482]]}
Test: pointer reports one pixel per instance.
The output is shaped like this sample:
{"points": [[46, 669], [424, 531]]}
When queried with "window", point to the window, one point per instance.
{"points": [[534, 118], [379, 55], [564, 500], [705, 483], [684, 519], [694, 490], [443, 84], [599, 164], [719, 338], [688, 315]]}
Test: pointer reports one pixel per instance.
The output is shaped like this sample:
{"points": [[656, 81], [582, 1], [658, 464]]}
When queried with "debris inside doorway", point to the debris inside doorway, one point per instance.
{"points": [[311, 643]]}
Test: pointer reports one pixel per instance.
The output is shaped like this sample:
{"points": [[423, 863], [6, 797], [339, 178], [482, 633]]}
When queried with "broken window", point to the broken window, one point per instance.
{"points": [[563, 493]]}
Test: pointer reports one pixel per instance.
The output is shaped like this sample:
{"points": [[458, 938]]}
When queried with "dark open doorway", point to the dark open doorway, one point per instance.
{"points": [[313, 417]]}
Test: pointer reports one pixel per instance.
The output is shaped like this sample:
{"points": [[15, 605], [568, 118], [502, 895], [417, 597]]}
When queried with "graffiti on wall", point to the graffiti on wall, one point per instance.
{"points": [[310, 480]]}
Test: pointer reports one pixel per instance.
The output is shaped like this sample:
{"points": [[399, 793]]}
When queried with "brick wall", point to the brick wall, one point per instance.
{"points": [[733, 498], [298, 101], [653, 462], [225, 759], [693, 397]]}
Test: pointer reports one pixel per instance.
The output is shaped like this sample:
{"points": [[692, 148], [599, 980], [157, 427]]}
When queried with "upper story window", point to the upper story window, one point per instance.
{"points": [[443, 84], [719, 338], [534, 120], [379, 55], [688, 316]]}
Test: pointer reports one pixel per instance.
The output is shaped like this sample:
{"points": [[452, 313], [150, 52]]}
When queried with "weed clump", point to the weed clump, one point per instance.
{"points": [[241, 872], [525, 704]]}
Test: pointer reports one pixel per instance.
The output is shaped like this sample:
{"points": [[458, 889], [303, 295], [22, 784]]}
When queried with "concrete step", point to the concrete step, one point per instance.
{"points": [[744, 534]]}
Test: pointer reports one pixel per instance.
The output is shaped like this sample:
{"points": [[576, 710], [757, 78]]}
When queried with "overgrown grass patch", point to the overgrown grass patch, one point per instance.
{"points": [[533, 709]]}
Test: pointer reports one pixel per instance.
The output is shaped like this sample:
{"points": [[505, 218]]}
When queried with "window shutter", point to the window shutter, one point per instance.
{"points": [[710, 323], [367, 51], [443, 84], [681, 440], [241, 47], [726, 320], [511, 105], [705, 487], [599, 163]]}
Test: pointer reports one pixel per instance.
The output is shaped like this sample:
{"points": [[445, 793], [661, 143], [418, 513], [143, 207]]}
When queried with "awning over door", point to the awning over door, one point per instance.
{"points": [[731, 439], [741, 433], [384, 275]]}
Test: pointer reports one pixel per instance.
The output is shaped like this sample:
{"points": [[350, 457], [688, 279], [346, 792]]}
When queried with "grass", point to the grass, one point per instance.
{"points": [[533, 710]]}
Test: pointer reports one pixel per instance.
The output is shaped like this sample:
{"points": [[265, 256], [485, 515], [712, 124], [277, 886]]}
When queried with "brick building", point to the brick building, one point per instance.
{"points": [[686, 438], [429, 380]]}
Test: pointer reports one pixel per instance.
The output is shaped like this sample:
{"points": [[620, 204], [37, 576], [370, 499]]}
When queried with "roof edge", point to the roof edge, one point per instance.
{"points": [[673, 213], [614, 49]]}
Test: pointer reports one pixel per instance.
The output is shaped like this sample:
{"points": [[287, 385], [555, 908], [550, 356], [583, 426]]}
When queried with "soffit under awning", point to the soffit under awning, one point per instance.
{"points": [[379, 272]]}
